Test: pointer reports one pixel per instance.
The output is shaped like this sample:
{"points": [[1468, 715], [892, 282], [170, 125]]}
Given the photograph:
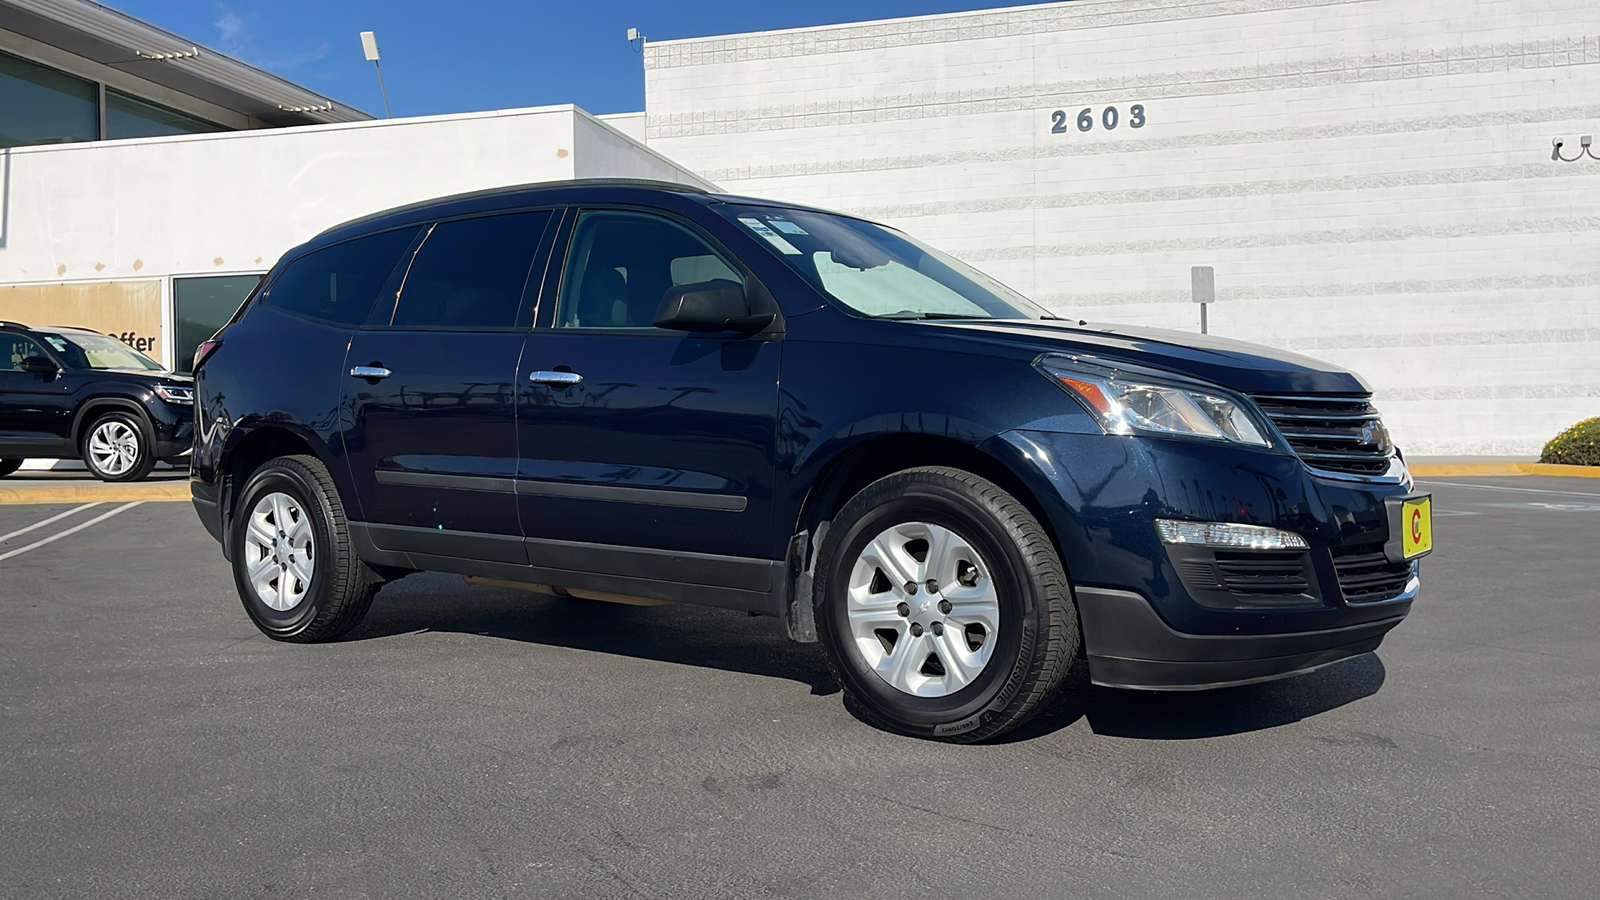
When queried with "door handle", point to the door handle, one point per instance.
{"points": [[558, 379], [370, 373]]}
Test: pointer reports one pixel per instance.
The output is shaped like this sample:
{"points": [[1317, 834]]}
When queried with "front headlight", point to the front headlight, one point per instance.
{"points": [[175, 394], [1127, 401]]}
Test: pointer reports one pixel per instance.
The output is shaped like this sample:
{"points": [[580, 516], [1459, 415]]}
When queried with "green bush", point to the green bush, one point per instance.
{"points": [[1577, 446]]}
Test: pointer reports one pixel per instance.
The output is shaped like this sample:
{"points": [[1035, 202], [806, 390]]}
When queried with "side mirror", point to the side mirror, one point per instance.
{"points": [[718, 305], [41, 365]]}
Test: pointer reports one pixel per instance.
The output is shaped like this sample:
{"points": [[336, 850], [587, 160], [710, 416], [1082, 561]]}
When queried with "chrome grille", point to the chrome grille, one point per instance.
{"points": [[1333, 432]]}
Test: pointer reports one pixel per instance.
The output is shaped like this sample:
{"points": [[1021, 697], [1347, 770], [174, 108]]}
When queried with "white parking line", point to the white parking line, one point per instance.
{"points": [[73, 530], [1512, 490], [55, 518]]}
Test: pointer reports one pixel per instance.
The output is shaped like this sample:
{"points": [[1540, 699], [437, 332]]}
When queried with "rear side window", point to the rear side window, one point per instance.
{"points": [[471, 273], [338, 284]]}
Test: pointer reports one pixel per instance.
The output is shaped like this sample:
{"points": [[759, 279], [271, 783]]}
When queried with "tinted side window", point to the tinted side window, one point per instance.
{"points": [[470, 273], [621, 263], [339, 283], [14, 348]]}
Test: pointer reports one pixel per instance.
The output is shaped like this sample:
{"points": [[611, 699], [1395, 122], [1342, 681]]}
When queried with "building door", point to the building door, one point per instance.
{"points": [[432, 445], [200, 307]]}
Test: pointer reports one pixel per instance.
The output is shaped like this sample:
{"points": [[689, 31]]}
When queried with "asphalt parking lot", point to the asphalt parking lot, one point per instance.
{"points": [[479, 742]]}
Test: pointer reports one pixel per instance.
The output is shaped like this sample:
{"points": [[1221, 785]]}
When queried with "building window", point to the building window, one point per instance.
{"points": [[39, 105], [201, 306], [129, 117]]}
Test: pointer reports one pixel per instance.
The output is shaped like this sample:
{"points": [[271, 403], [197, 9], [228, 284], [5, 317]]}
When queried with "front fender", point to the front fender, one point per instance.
{"points": [[97, 405]]}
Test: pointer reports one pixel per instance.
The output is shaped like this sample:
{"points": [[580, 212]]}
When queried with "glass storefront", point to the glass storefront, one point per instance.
{"points": [[202, 305], [129, 117], [39, 105]]}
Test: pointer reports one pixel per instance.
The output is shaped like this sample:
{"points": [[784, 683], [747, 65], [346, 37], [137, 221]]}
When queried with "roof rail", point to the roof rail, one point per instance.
{"points": [[6, 323]]}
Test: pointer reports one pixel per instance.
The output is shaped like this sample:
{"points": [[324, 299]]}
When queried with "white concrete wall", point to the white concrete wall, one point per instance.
{"points": [[630, 124], [194, 204], [1371, 179]]}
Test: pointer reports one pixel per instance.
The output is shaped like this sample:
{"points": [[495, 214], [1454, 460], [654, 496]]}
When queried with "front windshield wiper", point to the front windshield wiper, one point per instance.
{"points": [[908, 316]]}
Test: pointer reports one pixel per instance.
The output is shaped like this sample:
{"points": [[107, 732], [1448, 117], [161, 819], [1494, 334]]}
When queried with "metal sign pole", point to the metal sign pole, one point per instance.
{"points": [[1203, 288]]}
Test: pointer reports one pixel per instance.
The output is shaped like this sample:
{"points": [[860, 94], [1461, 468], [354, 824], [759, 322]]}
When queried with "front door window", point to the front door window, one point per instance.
{"points": [[622, 263]]}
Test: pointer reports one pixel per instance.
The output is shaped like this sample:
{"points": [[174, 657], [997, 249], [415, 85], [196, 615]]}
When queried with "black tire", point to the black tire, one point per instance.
{"points": [[144, 458], [7, 466], [1037, 639], [341, 588]]}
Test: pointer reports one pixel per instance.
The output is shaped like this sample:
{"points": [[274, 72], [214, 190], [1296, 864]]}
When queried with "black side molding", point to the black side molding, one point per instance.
{"points": [[618, 493], [570, 490], [728, 582]]}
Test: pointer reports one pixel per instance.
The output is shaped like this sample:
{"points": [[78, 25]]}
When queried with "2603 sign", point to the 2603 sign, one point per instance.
{"points": [[1109, 119]]}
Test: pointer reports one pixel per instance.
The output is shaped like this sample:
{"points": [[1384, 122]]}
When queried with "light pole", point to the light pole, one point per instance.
{"points": [[369, 45], [1203, 288]]}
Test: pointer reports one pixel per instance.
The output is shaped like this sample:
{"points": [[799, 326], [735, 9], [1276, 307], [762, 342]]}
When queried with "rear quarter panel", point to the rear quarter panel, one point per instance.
{"points": [[272, 371]]}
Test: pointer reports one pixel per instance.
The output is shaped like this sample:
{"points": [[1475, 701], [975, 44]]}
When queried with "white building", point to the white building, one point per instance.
{"points": [[1372, 180]]}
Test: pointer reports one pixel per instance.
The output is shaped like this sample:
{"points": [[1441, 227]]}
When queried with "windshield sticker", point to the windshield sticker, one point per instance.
{"points": [[773, 238], [786, 226], [58, 343]]}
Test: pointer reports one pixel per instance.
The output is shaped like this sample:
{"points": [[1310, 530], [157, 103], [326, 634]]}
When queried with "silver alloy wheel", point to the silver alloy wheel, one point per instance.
{"points": [[923, 609], [114, 447], [279, 551]]}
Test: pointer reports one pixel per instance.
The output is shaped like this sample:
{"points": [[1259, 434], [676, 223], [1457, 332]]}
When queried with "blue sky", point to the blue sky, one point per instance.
{"points": [[463, 55]]}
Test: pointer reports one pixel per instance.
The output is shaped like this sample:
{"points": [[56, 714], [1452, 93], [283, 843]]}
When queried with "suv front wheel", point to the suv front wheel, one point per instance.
{"points": [[944, 607], [116, 448], [296, 573]]}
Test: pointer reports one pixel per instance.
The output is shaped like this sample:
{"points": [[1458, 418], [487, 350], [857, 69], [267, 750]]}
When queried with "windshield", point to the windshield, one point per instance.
{"points": [[877, 271], [95, 351]]}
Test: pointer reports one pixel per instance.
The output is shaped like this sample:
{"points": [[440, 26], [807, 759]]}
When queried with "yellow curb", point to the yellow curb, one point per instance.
{"points": [[91, 493], [1431, 470]]}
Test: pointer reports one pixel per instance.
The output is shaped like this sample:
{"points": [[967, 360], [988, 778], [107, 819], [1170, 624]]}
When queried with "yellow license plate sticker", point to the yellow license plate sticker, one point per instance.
{"points": [[1416, 526]]}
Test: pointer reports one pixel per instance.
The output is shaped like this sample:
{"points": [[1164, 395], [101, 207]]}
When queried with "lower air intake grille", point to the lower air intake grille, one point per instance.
{"points": [[1367, 575], [1263, 573], [1333, 432]]}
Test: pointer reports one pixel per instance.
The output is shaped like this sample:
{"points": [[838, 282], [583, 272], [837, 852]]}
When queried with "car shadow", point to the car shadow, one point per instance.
{"points": [[682, 634], [1188, 715], [736, 642]]}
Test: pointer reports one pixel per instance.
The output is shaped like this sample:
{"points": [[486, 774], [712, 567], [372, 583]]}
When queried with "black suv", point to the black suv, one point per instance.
{"points": [[71, 393], [642, 392]]}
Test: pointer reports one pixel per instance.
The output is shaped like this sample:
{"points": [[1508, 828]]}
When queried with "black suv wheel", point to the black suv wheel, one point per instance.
{"points": [[944, 606], [116, 447], [293, 564], [7, 466]]}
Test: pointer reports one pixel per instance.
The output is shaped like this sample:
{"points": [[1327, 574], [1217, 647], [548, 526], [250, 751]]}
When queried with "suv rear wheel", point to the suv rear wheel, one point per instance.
{"points": [[7, 466], [115, 448], [943, 606], [296, 573]]}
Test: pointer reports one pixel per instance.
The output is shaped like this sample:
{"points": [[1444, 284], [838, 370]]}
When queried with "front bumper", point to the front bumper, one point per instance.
{"points": [[1172, 618], [1130, 647], [174, 429]]}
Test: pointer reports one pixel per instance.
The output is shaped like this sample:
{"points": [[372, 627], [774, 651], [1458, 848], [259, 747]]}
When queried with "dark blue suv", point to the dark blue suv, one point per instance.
{"points": [[644, 392]]}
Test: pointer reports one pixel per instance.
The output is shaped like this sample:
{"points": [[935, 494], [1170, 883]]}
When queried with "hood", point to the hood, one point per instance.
{"points": [[1239, 365], [148, 374]]}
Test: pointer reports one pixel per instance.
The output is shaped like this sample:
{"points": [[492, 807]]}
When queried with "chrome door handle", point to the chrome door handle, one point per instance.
{"points": [[372, 373], [559, 379]]}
